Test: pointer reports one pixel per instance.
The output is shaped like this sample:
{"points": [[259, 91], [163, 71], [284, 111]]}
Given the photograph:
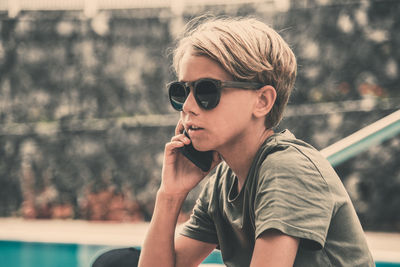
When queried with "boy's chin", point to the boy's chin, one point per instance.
{"points": [[202, 147]]}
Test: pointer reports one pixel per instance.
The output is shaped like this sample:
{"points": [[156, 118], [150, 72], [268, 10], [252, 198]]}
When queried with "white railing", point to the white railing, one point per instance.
{"points": [[361, 140]]}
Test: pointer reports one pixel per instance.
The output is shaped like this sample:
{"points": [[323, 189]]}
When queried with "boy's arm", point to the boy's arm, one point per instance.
{"points": [[273, 248], [179, 177], [191, 252], [159, 248]]}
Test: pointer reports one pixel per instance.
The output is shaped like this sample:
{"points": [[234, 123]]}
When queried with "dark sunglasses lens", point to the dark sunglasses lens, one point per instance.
{"points": [[207, 94], [177, 95]]}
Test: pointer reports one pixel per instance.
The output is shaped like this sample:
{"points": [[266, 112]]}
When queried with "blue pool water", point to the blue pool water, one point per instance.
{"points": [[35, 254]]}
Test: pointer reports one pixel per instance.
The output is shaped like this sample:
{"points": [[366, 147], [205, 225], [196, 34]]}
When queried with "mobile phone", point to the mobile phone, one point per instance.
{"points": [[202, 159]]}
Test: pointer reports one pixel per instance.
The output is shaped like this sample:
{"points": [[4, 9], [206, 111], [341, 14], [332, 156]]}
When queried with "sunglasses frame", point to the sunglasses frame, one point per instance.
{"points": [[218, 85]]}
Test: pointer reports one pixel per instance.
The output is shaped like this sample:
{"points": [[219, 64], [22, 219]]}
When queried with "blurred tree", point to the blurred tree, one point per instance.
{"points": [[72, 89]]}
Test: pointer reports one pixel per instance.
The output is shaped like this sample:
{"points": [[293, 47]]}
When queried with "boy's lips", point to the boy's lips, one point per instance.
{"points": [[192, 128], [195, 133]]}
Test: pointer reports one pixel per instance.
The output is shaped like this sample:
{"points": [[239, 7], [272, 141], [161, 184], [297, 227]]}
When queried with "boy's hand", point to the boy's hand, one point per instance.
{"points": [[180, 175]]}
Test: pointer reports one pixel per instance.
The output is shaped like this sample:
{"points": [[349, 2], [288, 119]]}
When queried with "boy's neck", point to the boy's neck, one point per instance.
{"points": [[240, 156]]}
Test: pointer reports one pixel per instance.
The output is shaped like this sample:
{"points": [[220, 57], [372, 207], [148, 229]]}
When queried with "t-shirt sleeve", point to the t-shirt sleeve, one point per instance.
{"points": [[293, 198], [201, 226]]}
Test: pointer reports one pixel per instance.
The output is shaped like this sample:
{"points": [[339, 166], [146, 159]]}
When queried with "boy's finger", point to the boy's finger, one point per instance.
{"points": [[181, 138], [179, 128]]}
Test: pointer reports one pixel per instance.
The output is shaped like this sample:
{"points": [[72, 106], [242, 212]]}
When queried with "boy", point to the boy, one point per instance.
{"points": [[272, 200]]}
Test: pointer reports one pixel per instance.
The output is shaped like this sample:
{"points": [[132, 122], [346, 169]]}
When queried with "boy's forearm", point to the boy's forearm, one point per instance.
{"points": [[158, 248]]}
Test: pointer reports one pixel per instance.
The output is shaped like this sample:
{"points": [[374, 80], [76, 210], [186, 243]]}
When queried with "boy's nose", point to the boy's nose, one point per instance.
{"points": [[190, 105]]}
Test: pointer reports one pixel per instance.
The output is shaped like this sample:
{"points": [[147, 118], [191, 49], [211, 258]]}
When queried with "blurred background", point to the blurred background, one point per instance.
{"points": [[84, 113]]}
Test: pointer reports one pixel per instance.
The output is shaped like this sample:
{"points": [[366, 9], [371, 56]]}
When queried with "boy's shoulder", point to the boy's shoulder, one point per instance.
{"points": [[286, 156], [284, 147], [284, 153]]}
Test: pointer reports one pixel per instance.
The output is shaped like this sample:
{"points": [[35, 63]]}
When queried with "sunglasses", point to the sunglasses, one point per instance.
{"points": [[206, 91]]}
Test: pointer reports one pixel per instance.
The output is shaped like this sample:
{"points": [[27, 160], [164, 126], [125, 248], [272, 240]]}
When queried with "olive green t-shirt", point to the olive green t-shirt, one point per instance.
{"points": [[290, 187]]}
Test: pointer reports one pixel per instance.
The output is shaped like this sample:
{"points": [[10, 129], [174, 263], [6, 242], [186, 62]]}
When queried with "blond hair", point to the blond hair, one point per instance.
{"points": [[247, 49]]}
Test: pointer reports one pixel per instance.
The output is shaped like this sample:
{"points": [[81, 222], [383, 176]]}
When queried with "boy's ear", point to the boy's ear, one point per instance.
{"points": [[265, 101]]}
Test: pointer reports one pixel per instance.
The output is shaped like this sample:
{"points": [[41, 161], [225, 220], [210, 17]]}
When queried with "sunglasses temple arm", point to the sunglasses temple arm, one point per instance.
{"points": [[242, 85]]}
